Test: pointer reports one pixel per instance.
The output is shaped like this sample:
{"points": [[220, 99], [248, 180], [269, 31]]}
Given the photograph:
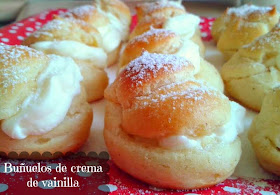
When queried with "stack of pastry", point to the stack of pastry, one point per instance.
{"points": [[167, 128], [168, 29], [43, 106], [167, 121], [254, 70], [240, 26], [91, 35]]}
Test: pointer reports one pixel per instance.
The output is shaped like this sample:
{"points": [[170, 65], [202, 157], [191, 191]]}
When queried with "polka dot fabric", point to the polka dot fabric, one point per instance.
{"points": [[120, 182], [14, 34]]}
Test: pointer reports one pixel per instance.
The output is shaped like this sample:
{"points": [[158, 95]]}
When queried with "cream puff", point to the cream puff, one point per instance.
{"points": [[112, 20], [254, 70], [186, 25], [76, 39], [43, 106], [166, 128], [159, 9], [169, 42], [264, 133], [240, 26]]}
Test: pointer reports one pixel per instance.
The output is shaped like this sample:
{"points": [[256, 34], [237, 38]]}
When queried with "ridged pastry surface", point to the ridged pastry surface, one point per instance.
{"points": [[240, 26], [254, 70]]}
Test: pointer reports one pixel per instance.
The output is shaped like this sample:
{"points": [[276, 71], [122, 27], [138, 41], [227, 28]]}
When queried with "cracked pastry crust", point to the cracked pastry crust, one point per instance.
{"points": [[240, 26], [150, 100], [264, 133], [254, 70]]}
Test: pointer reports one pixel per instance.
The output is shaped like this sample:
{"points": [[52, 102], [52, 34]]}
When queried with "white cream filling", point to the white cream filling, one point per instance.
{"points": [[111, 38], [225, 134], [184, 25], [122, 27], [75, 50], [112, 34], [190, 51], [47, 107]]}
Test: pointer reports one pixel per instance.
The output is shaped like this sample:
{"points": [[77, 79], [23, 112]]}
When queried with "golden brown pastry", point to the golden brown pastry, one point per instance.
{"points": [[76, 39], [239, 26], [186, 25], [264, 133], [111, 18], [159, 9], [254, 70], [157, 111], [168, 42], [43, 107]]}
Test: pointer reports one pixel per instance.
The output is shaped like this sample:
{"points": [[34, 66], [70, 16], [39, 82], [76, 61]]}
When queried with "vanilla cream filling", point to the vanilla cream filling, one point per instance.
{"points": [[225, 134], [112, 34], [111, 38], [120, 26], [184, 25], [47, 107], [190, 51], [75, 50]]}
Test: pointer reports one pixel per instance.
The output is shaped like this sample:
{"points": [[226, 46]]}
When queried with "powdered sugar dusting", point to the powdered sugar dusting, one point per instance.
{"points": [[149, 7], [246, 10], [195, 91], [81, 11], [57, 24], [271, 38], [157, 34], [12, 74], [140, 68]]}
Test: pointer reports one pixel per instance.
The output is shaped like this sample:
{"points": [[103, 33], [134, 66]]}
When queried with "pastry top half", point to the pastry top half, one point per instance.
{"points": [[254, 70], [158, 92], [165, 41], [256, 57], [66, 29], [240, 26], [159, 9], [111, 18], [185, 25], [72, 38], [36, 90]]}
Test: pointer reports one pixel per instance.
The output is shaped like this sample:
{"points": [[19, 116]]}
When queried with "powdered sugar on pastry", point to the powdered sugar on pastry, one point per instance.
{"points": [[154, 62], [80, 11], [158, 34], [149, 7], [57, 24], [246, 10], [12, 75], [46, 108]]}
